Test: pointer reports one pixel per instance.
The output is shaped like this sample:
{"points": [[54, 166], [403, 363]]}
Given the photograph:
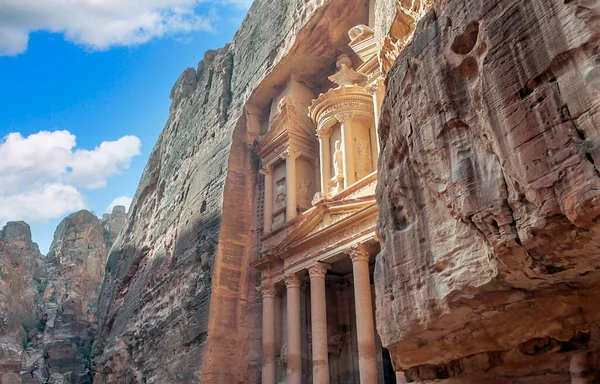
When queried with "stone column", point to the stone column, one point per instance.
{"points": [[290, 180], [348, 145], [374, 147], [325, 148], [319, 323], [268, 333], [267, 171], [378, 92], [294, 357], [365, 328], [400, 378]]}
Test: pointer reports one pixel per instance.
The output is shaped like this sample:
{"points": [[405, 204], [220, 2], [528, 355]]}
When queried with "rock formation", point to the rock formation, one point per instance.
{"points": [[489, 194], [48, 306], [112, 223], [21, 285]]}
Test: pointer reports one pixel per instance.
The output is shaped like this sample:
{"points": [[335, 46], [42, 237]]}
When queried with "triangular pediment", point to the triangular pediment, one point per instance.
{"points": [[324, 217]]}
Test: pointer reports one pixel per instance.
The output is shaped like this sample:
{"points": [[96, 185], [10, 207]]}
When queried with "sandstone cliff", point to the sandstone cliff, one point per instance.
{"points": [[21, 283], [48, 306], [489, 194], [178, 280]]}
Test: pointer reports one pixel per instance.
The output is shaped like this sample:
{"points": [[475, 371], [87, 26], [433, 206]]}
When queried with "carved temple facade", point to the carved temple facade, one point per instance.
{"points": [[318, 149]]}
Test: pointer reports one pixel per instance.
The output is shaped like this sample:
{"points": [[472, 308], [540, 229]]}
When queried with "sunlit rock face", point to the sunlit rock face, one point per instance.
{"points": [[112, 223], [21, 282], [489, 194]]}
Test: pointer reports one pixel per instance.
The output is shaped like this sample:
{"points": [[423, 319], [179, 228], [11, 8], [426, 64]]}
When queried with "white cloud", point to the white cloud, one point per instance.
{"points": [[100, 24], [40, 174], [123, 200], [90, 169], [52, 200]]}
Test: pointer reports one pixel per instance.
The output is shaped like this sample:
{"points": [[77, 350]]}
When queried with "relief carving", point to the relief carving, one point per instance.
{"points": [[304, 194], [362, 163], [280, 194], [336, 183]]}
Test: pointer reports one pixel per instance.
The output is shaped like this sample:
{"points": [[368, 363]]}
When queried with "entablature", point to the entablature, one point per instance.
{"points": [[289, 130]]}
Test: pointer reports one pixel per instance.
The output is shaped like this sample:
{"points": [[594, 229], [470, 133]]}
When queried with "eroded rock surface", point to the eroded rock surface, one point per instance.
{"points": [[490, 195], [21, 285]]}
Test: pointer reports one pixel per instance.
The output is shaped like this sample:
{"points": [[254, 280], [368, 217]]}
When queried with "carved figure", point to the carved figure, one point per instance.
{"points": [[363, 160], [303, 192], [280, 193], [338, 160]]}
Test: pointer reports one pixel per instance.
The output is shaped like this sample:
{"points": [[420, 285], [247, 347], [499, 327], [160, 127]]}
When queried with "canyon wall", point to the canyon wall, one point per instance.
{"points": [[48, 305], [21, 286], [489, 194]]}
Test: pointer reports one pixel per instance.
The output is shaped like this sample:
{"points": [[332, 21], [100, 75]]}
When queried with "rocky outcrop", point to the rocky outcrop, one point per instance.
{"points": [[112, 223], [48, 306], [489, 195], [21, 285], [178, 278], [75, 266]]}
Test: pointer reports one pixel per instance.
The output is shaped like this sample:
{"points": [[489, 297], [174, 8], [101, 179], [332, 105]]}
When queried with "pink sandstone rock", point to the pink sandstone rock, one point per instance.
{"points": [[489, 193]]}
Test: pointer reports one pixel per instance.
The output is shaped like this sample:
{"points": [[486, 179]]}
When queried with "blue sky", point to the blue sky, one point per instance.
{"points": [[88, 75]]}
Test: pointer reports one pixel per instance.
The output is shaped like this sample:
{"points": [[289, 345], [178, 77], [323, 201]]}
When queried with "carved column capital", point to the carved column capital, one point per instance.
{"points": [[318, 269], [344, 117], [266, 169], [267, 289], [324, 133], [292, 281], [290, 153], [359, 253]]}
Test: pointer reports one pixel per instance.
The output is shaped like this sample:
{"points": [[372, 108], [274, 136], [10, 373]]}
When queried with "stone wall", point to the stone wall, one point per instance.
{"points": [[489, 194]]}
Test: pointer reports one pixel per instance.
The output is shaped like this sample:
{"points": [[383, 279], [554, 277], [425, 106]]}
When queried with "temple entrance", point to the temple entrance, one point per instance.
{"points": [[342, 328]]}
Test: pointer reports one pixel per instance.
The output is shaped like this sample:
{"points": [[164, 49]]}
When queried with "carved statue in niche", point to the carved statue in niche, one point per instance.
{"points": [[280, 194], [363, 159], [303, 193], [338, 160], [336, 183]]}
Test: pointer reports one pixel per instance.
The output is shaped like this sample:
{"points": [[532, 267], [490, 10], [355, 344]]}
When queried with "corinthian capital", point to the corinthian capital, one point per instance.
{"points": [[290, 153], [359, 253], [292, 281], [267, 289], [266, 169], [344, 117], [318, 269], [324, 133]]}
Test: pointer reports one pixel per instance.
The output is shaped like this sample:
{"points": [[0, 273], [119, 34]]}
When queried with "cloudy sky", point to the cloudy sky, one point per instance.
{"points": [[84, 93]]}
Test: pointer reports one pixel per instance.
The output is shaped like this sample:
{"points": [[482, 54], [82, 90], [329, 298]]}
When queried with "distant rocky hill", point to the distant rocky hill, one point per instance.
{"points": [[48, 305]]}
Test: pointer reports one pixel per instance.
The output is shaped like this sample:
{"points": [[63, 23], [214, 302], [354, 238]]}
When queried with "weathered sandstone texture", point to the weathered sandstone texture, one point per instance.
{"points": [[489, 195], [48, 306], [112, 223], [178, 303], [21, 285]]}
